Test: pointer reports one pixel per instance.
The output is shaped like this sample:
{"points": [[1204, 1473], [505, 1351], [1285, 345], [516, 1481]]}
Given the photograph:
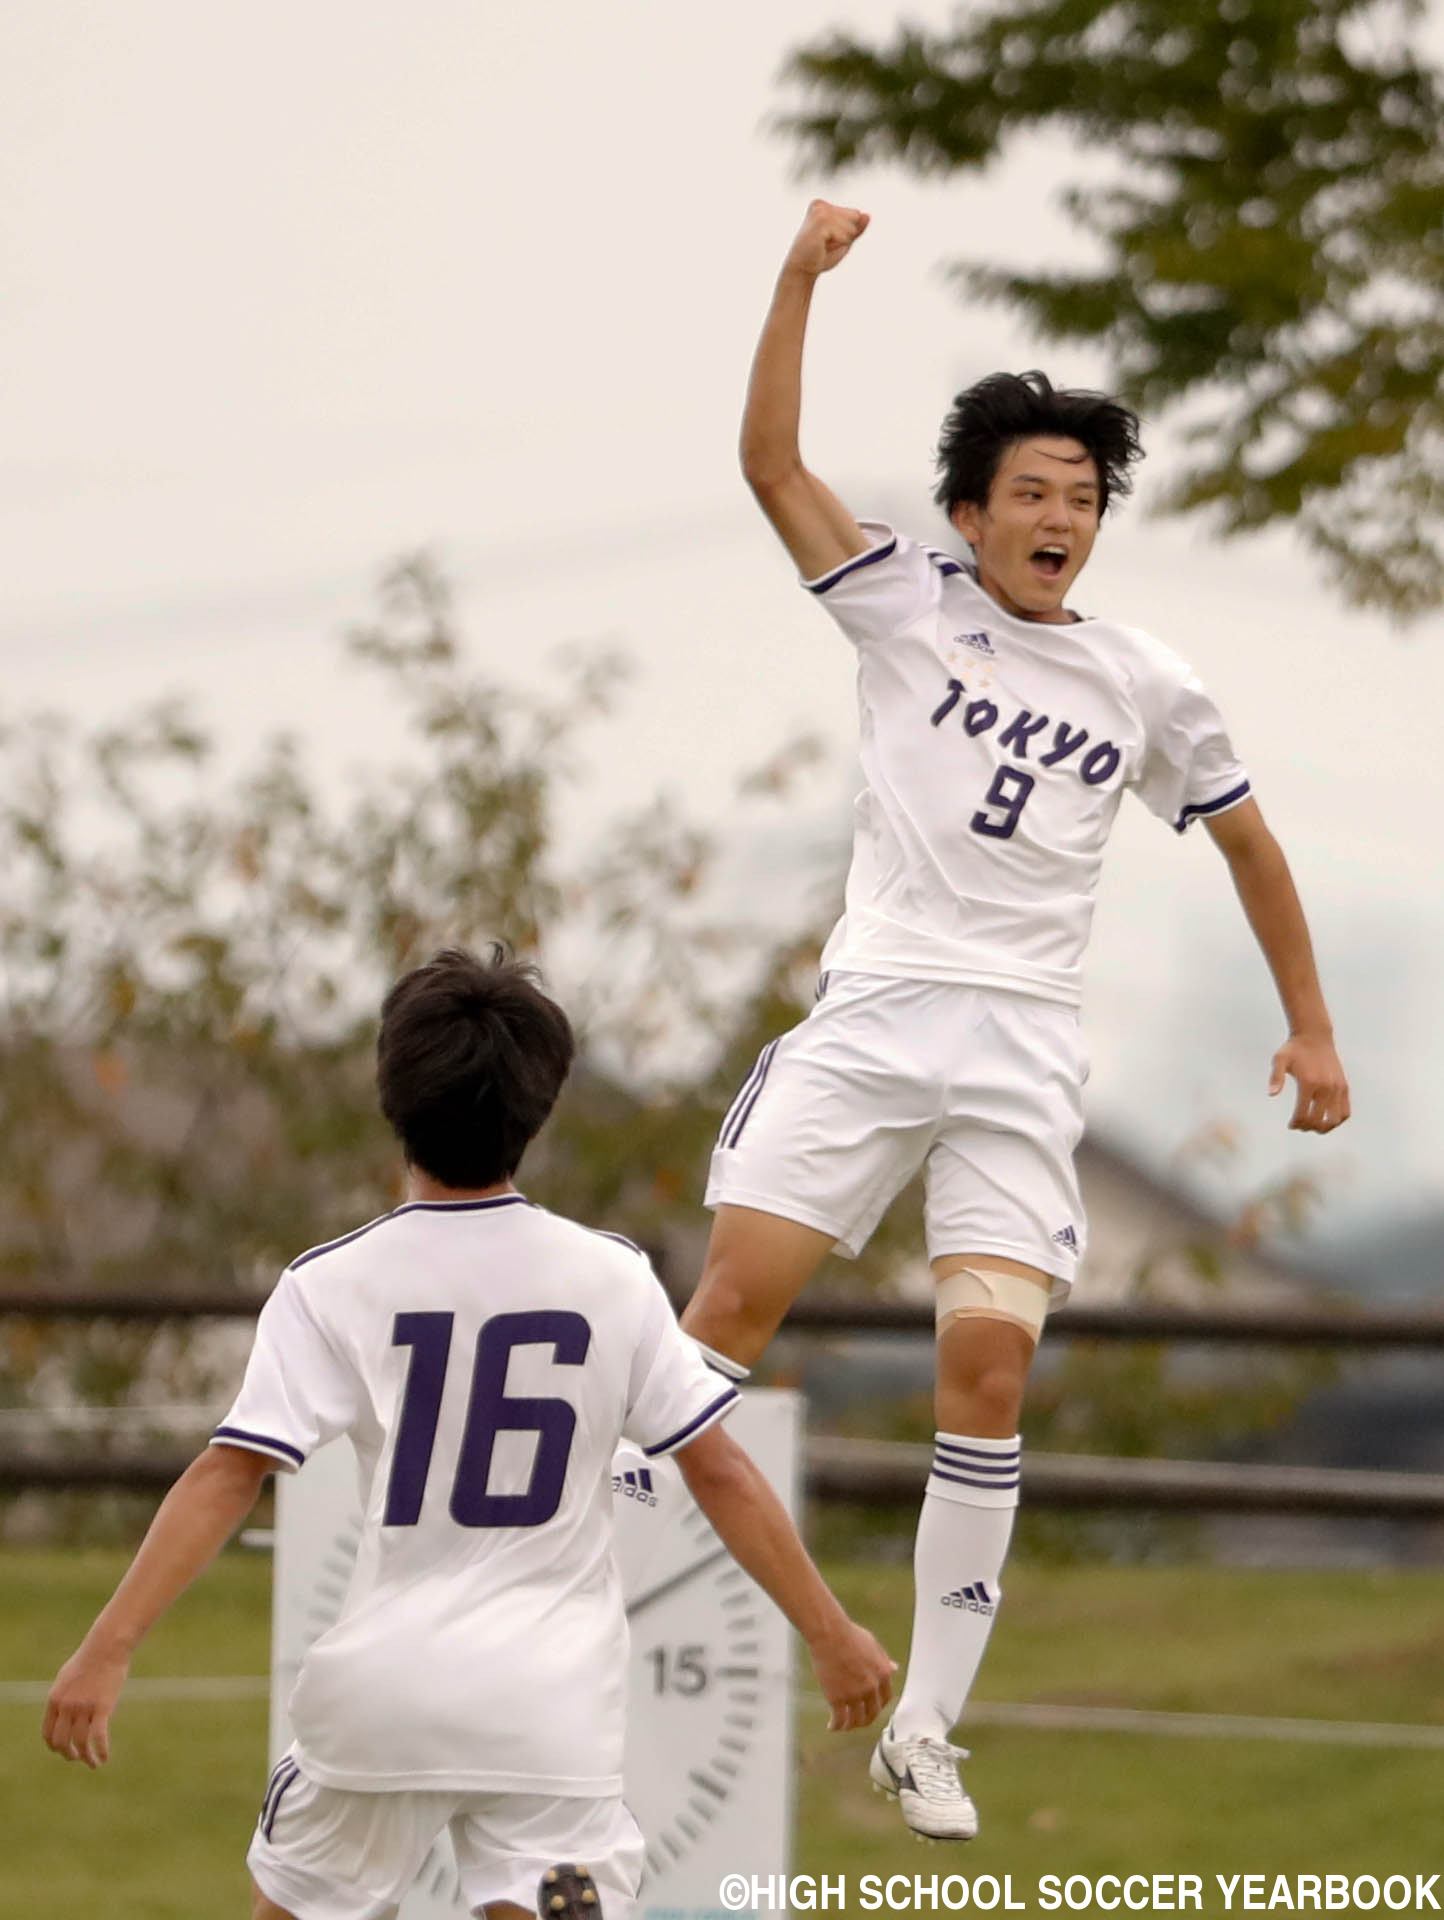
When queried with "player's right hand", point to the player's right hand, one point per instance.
{"points": [[825, 237], [855, 1673]]}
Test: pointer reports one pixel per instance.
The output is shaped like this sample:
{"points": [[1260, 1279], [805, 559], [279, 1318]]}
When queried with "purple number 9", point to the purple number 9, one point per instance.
{"points": [[1010, 790]]}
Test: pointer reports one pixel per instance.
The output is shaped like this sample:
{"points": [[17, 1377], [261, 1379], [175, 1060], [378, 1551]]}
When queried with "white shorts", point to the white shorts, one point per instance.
{"points": [[326, 1854], [982, 1089]]}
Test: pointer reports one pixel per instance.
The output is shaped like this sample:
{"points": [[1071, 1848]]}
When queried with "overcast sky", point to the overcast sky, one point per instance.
{"points": [[289, 290]]}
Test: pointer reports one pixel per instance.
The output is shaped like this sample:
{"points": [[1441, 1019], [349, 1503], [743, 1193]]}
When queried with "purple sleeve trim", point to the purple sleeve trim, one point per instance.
{"points": [[260, 1443], [719, 1405], [1229, 799], [829, 580], [620, 1238]]}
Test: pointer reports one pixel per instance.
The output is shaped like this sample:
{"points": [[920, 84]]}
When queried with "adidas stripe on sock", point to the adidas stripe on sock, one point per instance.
{"points": [[978, 1473], [962, 1541]]}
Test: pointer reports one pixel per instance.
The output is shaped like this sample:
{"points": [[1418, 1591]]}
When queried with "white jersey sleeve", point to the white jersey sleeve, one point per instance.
{"points": [[673, 1395], [875, 594], [1189, 767], [298, 1391]]}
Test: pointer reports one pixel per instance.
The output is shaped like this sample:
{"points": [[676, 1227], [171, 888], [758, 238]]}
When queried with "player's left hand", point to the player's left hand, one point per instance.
{"points": [[77, 1713], [1323, 1100]]}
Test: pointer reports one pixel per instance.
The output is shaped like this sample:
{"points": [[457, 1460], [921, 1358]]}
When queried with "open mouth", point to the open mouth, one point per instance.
{"points": [[1049, 561]]}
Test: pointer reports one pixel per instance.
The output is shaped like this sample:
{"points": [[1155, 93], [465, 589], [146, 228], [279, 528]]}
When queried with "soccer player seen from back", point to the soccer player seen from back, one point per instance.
{"points": [[485, 1357], [999, 732]]}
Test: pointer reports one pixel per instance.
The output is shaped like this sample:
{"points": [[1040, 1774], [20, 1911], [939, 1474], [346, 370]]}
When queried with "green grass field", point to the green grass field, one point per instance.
{"points": [[1184, 1639], [161, 1833]]}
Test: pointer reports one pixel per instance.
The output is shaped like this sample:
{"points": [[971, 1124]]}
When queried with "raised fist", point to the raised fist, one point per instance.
{"points": [[825, 237]]}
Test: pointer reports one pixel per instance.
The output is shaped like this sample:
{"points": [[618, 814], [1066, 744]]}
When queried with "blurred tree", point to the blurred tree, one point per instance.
{"points": [[1272, 245], [190, 967]]}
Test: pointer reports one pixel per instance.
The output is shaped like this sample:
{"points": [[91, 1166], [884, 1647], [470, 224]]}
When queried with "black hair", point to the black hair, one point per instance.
{"points": [[1003, 408], [470, 1058]]}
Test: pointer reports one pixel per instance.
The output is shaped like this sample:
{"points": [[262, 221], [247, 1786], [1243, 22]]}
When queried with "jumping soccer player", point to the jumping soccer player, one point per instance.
{"points": [[485, 1357], [999, 732]]}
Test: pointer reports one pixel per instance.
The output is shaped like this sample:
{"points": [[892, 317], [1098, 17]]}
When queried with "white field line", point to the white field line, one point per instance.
{"points": [[1033, 1716], [1040, 1717], [230, 1686], [66, 1421], [1201, 1726]]}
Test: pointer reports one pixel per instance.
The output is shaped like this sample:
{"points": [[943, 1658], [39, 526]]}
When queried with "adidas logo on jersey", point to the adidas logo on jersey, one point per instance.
{"points": [[635, 1486], [974, 1599], [1065, 1237], [978, 642]]}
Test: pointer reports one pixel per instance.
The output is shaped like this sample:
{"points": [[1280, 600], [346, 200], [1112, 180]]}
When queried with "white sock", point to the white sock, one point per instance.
{"points": [[962, 1542]]}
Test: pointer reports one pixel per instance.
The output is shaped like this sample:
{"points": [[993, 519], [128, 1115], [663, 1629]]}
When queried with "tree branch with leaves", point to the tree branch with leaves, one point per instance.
{"points": [[1270, 254]]}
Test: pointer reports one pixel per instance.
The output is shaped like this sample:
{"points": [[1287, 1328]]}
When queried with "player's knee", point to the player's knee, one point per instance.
{"points": [[999, 1395], [982, 1374], [724, 1294], [752, 1273], [984, 1399], [726, 1315]]}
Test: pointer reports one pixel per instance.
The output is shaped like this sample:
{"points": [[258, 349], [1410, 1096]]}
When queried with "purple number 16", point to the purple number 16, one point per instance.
{"points": [[489, 1411]]}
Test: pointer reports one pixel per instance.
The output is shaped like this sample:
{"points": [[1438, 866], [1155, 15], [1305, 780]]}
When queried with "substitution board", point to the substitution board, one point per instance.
{"points": [[709, 1743]]}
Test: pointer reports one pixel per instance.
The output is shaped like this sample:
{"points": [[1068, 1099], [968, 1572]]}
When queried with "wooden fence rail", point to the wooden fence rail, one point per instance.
{"points": [[882, 1471], [1270, 1326]]}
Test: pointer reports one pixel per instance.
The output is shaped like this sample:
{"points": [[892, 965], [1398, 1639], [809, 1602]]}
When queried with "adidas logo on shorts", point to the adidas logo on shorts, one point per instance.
{"points": [[973, 1599], [635, 1486], [1065, 1237], [978, 642]]}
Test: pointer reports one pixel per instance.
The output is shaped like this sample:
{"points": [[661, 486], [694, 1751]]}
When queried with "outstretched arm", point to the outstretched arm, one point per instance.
{"points": [[1271, 903], [854, 1672], [813, 524], [196, 1518]]}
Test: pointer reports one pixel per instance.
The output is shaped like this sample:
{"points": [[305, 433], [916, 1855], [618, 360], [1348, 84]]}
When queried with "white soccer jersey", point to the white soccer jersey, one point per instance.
{"points": [[484, 1356], [996, 751]]}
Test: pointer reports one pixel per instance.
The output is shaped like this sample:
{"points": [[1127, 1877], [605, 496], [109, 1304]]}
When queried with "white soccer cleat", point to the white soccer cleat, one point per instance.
{"points": [[922, 1776]]}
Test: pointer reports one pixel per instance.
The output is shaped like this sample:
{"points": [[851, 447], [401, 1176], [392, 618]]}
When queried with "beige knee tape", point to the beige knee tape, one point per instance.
{"points": [[979, 1292]]}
